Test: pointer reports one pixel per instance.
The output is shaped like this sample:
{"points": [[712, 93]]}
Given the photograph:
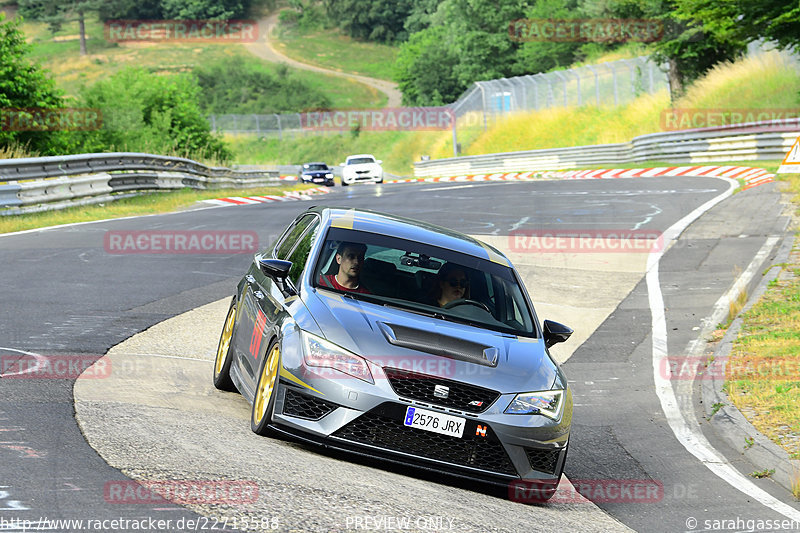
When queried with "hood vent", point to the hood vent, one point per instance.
{"points": [[438, 344]]}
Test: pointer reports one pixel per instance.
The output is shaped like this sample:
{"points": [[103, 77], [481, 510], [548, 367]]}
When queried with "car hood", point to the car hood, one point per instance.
{"points": [[391, 337], [363, 166]]}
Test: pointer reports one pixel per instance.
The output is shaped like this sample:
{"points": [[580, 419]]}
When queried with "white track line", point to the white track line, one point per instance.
{"points": [[686, 430], [39, 359]]}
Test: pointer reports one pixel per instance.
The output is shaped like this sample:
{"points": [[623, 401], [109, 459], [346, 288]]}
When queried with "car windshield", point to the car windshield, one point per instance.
{"points": [[360, 160], [316, 166], [423, 279]]}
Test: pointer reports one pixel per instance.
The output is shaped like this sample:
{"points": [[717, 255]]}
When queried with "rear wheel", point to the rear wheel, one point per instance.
{"points": [[264, 399], [222, 363]]}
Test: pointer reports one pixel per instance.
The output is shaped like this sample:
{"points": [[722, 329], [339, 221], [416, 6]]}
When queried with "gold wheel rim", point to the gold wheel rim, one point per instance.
{"points": [[225, 341], [267, 383]]}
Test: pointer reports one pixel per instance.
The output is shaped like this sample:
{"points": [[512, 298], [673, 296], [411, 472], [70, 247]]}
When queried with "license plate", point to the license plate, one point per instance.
{"points": [[435, 422]]}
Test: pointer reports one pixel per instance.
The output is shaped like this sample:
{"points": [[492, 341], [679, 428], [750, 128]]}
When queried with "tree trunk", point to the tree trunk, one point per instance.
{"points": [[83, 33], [675, 81]]}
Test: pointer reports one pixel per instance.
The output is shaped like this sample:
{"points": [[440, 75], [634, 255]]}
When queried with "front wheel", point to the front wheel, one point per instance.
{"points": [[222, 363], [264, 400]]}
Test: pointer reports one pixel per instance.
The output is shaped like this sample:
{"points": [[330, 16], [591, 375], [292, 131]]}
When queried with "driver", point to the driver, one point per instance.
{"points": [[451, 284], [350, 258]]}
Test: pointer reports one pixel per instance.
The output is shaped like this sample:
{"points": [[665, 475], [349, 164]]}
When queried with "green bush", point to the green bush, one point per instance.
{"points": [[238, 85], [146, 112]]}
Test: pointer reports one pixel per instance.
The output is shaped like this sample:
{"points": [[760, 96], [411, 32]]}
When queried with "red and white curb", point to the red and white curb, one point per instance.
{"points": [[751, 176], [289, 196]]}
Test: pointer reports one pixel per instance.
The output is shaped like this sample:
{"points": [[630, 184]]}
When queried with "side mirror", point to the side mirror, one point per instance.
{"points": [[555, 333], [342, 164], [379, 161], [278, 270]]}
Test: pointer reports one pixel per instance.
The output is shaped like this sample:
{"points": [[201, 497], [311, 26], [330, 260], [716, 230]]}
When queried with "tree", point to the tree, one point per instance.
{"points": [[23, 85], [371, 20], [541, 56], [467, 41], [775, 20], [425, 69], [56, 12], [684, 47]]}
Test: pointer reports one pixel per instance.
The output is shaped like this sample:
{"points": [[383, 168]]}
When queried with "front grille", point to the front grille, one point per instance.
{"points": [[543, 460], [388, 432], [421, 386], [304, 406]]}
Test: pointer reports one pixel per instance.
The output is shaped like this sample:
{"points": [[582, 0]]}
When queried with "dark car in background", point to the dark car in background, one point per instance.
{"points": [[316, 172], [467, 387]]}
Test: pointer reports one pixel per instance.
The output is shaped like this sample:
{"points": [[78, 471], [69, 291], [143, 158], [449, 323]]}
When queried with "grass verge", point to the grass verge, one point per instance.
{"points": [[765, 386], [148, 204], [331, 49]]}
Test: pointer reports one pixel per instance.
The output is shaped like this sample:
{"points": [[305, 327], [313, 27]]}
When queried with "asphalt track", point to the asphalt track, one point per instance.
{"points": [[64, 294]]}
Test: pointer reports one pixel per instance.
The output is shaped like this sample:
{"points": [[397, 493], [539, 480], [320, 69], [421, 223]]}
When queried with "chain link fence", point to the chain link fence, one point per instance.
{"points": [[612, 83]]}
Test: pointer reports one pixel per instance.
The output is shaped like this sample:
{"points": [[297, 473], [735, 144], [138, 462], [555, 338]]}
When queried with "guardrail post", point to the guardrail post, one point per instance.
{"points": [[280, 129]]}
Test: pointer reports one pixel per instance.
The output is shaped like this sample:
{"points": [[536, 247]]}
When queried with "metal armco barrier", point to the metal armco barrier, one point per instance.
{"points": [[45, 183], [756, 141]]}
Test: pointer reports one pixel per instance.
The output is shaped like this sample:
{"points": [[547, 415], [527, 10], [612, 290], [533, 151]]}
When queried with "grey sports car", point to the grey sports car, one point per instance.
{"points": [[400, 340]]}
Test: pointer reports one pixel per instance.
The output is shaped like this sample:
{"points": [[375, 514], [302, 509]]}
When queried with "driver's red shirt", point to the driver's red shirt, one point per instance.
{"points": [[330, 281]]}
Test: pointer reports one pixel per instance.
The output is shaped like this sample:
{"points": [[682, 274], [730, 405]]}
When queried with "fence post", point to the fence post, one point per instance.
{"points": [[280, 129], [258, 125], [564, 79], [614, 76]]}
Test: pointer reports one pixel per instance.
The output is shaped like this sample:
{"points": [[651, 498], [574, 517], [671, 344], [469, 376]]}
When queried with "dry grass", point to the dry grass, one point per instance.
{"points": [[765, 81]]}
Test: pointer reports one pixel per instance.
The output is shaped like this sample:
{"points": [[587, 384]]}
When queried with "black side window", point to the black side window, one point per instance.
{"points": [[299, 256], [290, 239]]}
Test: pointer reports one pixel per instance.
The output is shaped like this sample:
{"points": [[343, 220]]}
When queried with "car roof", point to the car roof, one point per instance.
{"points": [[409, 229], [360, 155], [315, 163]]}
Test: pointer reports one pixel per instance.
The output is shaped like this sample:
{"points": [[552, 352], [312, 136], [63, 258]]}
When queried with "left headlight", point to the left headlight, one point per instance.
{"points": [[548, 403], [322, 353], [328, 175]]}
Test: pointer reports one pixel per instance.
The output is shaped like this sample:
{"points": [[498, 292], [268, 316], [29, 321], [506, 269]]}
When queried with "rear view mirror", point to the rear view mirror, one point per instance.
{"points": [[555, 333]]}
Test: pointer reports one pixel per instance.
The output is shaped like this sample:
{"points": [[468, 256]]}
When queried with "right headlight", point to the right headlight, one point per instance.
{"points": [[322, 353], [548, 403]]}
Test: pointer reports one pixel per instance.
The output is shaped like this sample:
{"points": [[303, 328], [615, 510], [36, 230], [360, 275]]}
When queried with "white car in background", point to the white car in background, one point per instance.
{"points": [[362, 167]]}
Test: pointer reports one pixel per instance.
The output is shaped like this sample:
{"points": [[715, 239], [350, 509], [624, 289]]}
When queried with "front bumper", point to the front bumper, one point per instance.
{"points": [[491, 450], [365, 177]]}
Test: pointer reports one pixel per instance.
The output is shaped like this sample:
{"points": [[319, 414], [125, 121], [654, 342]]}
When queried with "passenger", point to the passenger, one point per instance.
{"points": [[451, 284], [350, 258]]}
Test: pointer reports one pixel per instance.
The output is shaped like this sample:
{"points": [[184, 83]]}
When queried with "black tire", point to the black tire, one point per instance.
{"points": [[222, 362], [266, 390], [344, 183]]}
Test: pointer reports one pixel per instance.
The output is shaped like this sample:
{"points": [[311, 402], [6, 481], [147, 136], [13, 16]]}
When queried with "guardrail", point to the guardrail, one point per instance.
{"points": [[754, 141], [47, 183]]}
